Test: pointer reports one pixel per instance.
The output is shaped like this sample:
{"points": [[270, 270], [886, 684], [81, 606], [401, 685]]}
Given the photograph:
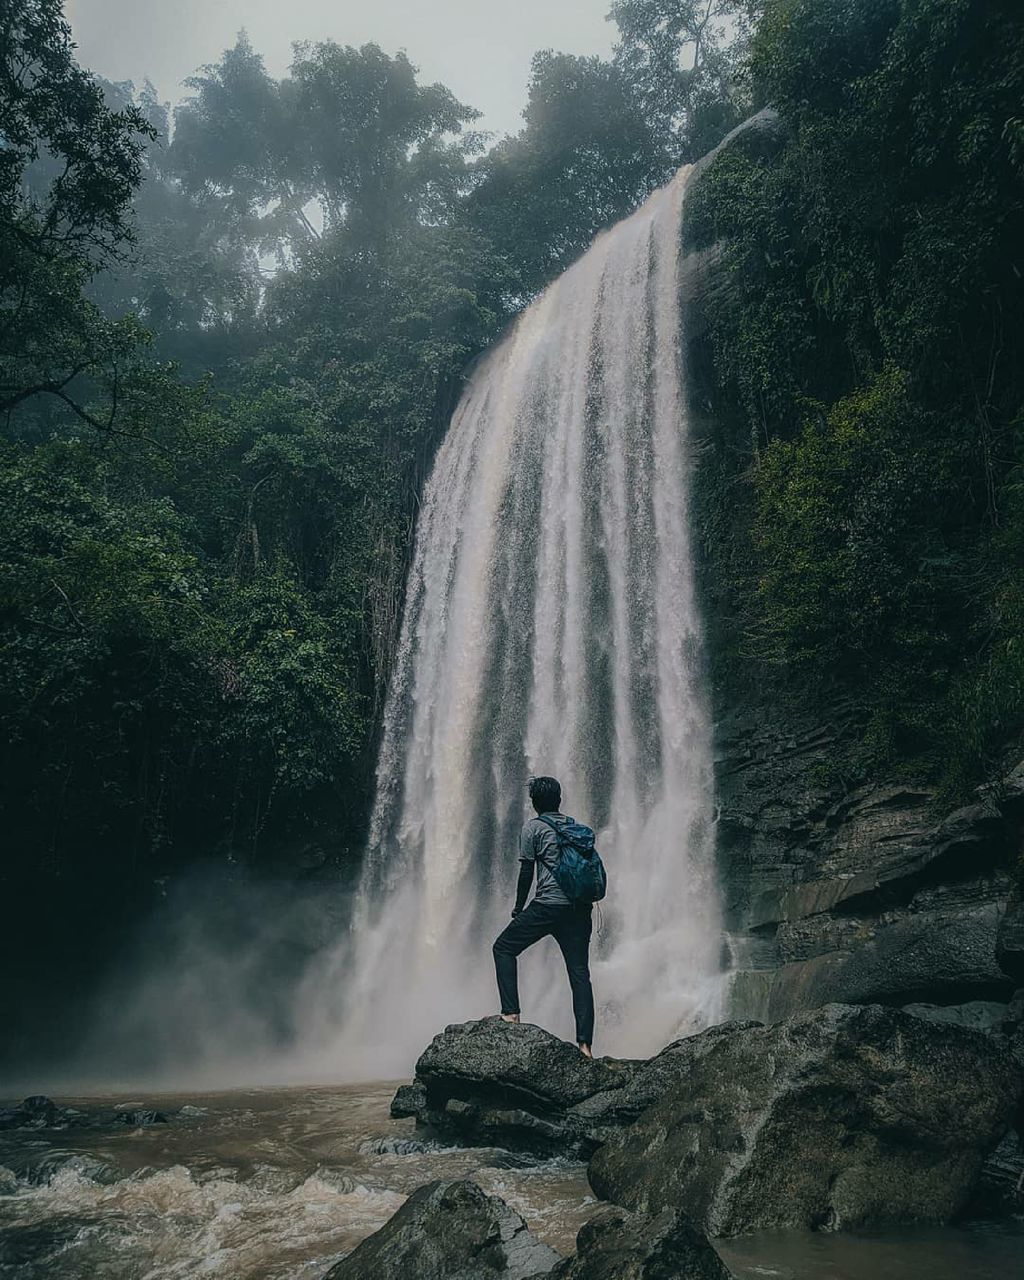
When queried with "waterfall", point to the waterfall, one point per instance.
{"points": [[550, 626]]}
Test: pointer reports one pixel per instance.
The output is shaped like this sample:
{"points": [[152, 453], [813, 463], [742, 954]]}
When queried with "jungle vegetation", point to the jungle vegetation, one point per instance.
{"points": [[231, 337], [863, 513]]}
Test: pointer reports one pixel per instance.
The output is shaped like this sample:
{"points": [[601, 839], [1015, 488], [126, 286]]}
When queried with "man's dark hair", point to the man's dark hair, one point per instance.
{"points": [[546, 794]]}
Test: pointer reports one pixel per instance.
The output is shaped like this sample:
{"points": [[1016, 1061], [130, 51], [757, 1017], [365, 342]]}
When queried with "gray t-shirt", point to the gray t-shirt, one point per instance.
{"points": [[539, 844]]}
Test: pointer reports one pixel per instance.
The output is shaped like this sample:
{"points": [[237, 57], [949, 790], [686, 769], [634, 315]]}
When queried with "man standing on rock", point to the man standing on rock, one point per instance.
{"points": [[561, 908]]}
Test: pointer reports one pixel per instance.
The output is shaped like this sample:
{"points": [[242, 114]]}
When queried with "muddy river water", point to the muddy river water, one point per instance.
{"points": [[278, 1184]]}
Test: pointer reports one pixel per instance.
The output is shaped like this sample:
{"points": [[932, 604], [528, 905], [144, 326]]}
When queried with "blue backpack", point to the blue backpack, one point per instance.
{"points": [[579, 871]]}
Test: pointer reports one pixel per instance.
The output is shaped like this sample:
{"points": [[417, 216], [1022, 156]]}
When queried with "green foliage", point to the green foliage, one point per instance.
{"points": [[586, 157], [684, 59], [218, 689], [350, 129], [987, 697], [230, 339], [854, 532], [199, 600], [874, 345], [598, 137], [68, 167], [105, 643]]}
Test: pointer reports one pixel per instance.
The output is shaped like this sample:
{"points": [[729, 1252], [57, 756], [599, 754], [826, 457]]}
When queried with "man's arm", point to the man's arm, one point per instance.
{"points": [[523, 887], [527, 857]]}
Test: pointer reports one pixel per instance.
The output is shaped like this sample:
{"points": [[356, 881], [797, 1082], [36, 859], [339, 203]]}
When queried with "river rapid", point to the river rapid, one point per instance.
{"points": [[269, 1184], [256, 1185]]}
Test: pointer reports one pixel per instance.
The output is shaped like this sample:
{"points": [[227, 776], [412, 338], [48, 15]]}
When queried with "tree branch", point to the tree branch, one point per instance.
{"points": [[71, 608], [57, 389]]}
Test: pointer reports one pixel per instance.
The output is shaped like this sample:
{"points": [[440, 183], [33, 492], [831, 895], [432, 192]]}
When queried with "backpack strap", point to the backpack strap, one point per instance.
{"points": [[555, 826]]}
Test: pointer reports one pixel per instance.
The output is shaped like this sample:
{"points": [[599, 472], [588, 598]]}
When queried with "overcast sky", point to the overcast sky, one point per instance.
{"points": [[481, 49]]}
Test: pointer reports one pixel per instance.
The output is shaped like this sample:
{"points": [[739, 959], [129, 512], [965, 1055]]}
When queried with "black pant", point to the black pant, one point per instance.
{"points": [[570, 928]]}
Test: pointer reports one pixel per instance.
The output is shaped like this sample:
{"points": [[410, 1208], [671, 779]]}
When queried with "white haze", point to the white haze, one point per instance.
{"points": [[551, 626], [481, 49]]}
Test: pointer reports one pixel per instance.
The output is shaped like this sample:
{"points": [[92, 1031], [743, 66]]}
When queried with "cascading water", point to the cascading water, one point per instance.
{"points": [[550, 627]]}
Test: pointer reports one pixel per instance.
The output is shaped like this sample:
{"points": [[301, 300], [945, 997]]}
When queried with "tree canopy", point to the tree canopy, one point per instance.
{"points": [[873, 357], [232, 335]]}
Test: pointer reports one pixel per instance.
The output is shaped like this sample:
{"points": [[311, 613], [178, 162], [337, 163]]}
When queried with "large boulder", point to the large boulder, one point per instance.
{"points": [[449, 1231], [625, 1246], [494, 1083], [604, 1113], [840, 1118]]}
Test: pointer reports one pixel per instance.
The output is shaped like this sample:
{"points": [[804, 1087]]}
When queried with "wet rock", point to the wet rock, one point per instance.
{"points": [[939, 954], [490, 1083], [979, 1015], [530, 1064], [1010, 939], [398, 1147], [625, 1246], [449, 1231], [36, 1112], [919, 956], [607, 1111], [139, 1117], [1013, 1031], [1001, 1184], [862, 895], [840, 1118], [409, 1100], [40, 1112]]}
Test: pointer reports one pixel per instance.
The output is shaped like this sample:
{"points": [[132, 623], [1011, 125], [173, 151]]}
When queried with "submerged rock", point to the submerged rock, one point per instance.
{"points": [[40, 1112], [449, 1231], [140, 1116], [844, 1117], [626, 1246]]}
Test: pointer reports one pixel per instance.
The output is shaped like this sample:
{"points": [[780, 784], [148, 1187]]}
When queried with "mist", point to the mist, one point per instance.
{"points": [[201, 993], [481, 50]]}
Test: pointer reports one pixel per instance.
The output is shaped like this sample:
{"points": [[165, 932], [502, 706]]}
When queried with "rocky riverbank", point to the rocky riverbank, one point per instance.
{"points": [[842, 1117]]}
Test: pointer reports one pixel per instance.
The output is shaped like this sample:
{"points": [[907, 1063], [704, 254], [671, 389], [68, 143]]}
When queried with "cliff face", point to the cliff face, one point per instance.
{"points": [[863, 890], [866, 895]]}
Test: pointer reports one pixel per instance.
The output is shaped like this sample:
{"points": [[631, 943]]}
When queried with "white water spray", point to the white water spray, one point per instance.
{"points": [[550, 627]]}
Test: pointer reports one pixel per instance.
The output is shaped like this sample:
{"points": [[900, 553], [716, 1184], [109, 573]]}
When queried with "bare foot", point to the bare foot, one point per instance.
{"points": [[510, 1017], [585, 1050]]}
